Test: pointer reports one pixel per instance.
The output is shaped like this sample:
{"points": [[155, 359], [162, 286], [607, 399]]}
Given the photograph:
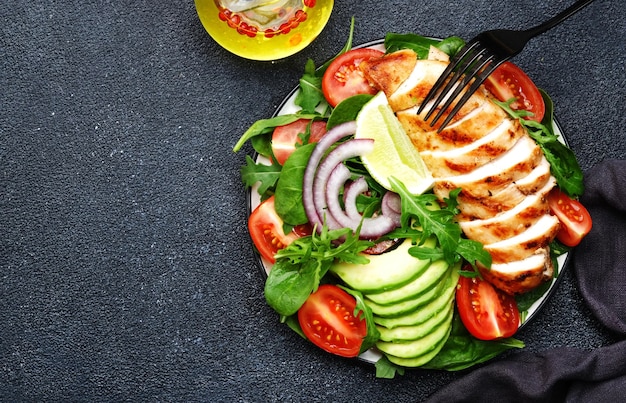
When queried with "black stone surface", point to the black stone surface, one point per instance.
{"points": [[126, 272]]}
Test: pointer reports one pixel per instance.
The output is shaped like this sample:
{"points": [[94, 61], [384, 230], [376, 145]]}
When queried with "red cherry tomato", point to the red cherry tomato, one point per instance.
{"points": [[266, 230], [284, 138], [509, 81], [327, 319], [575, 219], [486, 312], [343, 78]]}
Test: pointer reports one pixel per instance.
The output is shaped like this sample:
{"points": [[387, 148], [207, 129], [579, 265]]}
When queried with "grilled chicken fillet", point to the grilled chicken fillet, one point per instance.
{"points": [[503, 175]]}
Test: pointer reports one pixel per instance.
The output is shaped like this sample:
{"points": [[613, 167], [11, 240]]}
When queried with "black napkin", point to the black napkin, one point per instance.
{"points": [[570, 374]]}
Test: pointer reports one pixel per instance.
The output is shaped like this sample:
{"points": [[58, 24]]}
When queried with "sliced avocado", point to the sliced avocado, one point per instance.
{"points": [[425, 312], [387, 271], [422, 283], [414, 332], [419, 347], [422, 359], [403, 307]]}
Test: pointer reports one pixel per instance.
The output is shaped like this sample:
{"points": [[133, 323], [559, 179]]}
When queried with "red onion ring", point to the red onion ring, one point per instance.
{"points": [[331, 137], [324, 178]]}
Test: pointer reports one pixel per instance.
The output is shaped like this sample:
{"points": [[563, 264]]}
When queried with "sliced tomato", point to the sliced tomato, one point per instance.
{"points": [[486, 312], [285, 138], [509, 81], [266, 230], [343, 78], [575, 219], [327, 319]]}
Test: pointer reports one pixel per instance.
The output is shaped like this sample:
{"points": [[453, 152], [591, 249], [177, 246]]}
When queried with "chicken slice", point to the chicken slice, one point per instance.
{"points": [[507, 224], [414, 89], [520, 276], [539, 235], [482, 208], [482, 151], [472, 127], [496, 175], [390, 71]]}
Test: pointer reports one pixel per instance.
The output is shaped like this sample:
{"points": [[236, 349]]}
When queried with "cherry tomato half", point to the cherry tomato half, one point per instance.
{"points": [[574, 217], [343, 78], [509, 81], [266, 230], [284, 138], [327, 319], [486, 312]]}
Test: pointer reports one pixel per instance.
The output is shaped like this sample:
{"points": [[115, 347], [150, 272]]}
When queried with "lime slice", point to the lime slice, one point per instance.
{"points": [[393, 154]]}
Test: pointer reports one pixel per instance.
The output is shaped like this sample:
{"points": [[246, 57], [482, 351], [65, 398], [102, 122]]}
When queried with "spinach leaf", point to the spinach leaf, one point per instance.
{"points": [[288, 202], [462, 351], [347, 110], [288, 286], [264, 126], [386, 369], [451, 45], [421, 44]]}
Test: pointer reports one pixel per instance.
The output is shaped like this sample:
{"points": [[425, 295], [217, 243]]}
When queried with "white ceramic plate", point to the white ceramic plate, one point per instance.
{"points": [[288, 106]]}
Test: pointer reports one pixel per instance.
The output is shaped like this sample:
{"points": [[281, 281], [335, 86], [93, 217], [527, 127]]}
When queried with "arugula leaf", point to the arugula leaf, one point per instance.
{"points": [[288, 193], [346, 47], [563, 163], [300, 266], [267, 175], [310, 94], [440, 223]]}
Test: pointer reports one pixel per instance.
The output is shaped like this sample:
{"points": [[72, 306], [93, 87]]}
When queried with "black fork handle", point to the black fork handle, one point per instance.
{"points": [[557, 19]]}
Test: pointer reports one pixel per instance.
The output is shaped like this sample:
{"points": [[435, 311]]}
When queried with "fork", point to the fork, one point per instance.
{"points": [[478, 59]]}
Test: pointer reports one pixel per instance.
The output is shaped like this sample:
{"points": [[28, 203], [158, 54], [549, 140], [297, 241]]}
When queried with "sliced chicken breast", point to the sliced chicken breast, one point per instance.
{"points": [[501, 171]]}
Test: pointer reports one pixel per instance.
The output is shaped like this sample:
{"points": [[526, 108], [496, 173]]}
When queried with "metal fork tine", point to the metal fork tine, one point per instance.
{"points": [[479, 79], [453, 78], [477, 64], [442, 78], [470, 63]]}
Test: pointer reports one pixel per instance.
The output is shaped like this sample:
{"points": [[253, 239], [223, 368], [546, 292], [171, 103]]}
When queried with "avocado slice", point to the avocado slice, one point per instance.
{"points": [[384, 272]]}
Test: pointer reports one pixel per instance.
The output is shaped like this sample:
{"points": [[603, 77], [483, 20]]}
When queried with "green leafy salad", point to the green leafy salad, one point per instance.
{"points": [[374, 272]]}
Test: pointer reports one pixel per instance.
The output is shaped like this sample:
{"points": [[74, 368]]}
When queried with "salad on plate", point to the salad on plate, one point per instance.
{"points": [[387, 240]]}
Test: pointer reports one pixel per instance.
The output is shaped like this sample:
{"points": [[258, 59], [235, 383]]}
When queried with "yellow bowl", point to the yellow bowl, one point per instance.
{"points": [[264, 29]]}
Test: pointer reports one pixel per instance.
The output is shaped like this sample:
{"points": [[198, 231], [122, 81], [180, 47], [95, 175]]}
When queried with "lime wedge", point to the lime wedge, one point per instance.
{"points": [[393, 154]]}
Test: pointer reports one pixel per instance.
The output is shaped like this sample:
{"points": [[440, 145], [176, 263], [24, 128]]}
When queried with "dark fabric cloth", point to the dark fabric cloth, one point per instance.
{"points": [[563, 373], [600, 259]]}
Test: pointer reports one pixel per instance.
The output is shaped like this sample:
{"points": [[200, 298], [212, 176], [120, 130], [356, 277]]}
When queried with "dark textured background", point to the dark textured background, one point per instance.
{"points": [[126, 272]]}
